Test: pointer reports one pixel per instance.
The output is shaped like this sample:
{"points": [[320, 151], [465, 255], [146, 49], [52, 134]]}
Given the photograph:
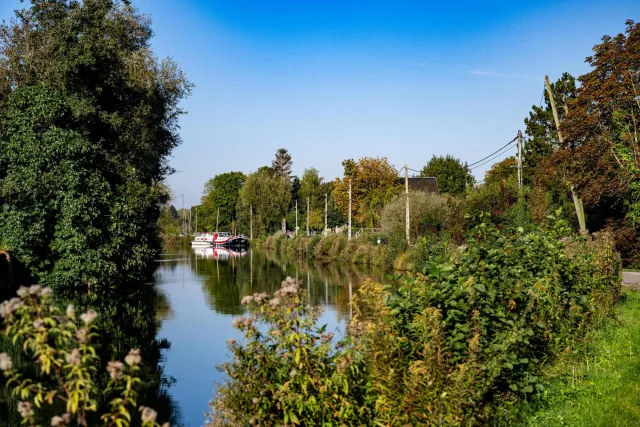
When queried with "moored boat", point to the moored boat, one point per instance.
{"points": [[222, 238]]}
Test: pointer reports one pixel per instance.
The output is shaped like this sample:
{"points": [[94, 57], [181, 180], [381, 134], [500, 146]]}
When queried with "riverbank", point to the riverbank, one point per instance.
{"points": [[597, 384], [366, 249]]}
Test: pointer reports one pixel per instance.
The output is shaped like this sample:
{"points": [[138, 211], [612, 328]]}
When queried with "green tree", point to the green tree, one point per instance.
{"points": [[373, 183], [88, 117], [504, 170], [268, 195], [281, 165], [311, 188], [223, 192], [452, 175]]}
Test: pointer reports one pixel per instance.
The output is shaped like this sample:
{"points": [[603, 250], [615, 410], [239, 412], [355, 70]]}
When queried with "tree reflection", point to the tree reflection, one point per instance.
{"points": [[227, 278]]}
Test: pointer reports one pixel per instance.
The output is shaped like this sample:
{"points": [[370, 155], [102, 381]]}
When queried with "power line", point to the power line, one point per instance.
{"points": [[492, 158], [501, 148]]}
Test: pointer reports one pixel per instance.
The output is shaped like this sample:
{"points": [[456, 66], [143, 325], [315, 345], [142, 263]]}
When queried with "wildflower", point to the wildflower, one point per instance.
{"points": [[246, 300], [148, 414], [293, 373], [60, 420], [133, 358], [255, 400], [237, 322], [116, 370], [248, 321], [73, 358], [5, 362], [276, 332], [35, 289], [25, 409], [259, 297], [8, 307], [274, 302], [82, 335], [71, 311], [89, 316], [231, 341], [23, 291], [253, 421], [38, 323], [46, 291]]}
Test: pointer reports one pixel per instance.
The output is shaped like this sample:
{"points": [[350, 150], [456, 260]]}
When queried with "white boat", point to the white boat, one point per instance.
{"points": [[219, 239]]}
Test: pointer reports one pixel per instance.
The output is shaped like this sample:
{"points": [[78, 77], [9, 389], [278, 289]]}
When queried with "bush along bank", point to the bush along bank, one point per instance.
{"points": [[475, 328], [370, 249]]}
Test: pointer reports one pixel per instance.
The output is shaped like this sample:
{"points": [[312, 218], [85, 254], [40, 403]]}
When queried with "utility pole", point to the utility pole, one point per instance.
{"points": [[519, 160], [307, 216], [326, 204], [349, 226], [217, 219], [251, 221], [296, 217], [406, 193], [577, 201]]}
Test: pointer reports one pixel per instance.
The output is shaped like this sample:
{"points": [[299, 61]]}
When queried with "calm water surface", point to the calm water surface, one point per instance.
{"points": [[202, 290]]}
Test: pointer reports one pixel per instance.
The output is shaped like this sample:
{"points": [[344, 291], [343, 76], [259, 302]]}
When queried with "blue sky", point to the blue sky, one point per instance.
{"points": [[331, 80]]}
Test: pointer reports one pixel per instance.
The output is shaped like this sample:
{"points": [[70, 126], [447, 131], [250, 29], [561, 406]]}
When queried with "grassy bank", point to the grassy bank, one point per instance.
{"points": [[364, 249], [597, 385]]}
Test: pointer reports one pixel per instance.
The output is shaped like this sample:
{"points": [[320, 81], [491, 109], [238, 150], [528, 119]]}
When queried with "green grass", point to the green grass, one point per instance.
{"points": [[599, 388], [631, 270]]}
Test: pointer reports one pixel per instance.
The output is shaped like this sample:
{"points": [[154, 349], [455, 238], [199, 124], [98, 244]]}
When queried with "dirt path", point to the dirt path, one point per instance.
{"points": [[631, 279]]}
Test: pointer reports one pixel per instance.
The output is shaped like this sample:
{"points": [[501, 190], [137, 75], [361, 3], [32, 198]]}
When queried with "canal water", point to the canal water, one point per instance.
{"points": [[200, 292]]}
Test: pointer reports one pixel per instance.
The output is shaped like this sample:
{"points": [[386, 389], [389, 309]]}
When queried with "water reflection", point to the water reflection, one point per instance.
{"points": [[204, 288]]}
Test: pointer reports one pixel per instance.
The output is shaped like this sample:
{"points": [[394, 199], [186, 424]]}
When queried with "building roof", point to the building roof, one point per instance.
{"points": [[428, 184]]}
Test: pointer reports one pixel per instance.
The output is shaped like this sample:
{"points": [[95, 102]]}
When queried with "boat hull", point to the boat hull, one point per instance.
{"points": [[234, 242]]}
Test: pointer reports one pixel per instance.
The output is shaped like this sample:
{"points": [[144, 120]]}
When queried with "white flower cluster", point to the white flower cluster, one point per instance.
{"points": [[133, 358]]}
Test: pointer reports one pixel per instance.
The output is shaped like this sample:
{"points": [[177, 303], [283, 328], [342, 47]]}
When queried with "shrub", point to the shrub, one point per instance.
{"points": [[427, 214], [289, 371], [59, 344], [480, 326], [475, 328]]}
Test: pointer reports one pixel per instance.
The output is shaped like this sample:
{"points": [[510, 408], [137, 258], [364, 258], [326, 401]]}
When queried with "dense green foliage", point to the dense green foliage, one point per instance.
{"points": [[220, 192], [452, 175], [88, 117], [444, 347], [374, 181], [267, 195]]}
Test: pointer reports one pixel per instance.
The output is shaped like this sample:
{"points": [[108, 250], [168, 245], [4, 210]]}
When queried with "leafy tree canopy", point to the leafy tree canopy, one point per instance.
{"points": [[88, 116], [502, 171], [373, 183], [268, 196], [453, 176], [223, 192], [602, 127]]}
